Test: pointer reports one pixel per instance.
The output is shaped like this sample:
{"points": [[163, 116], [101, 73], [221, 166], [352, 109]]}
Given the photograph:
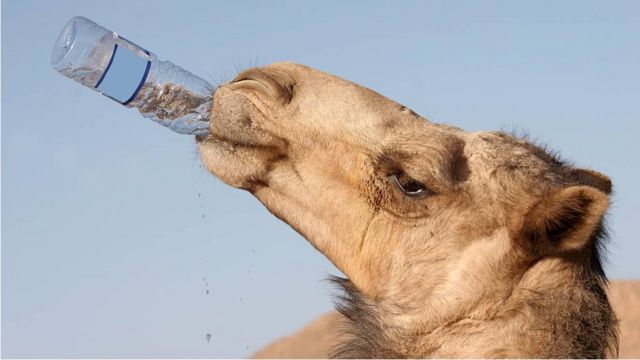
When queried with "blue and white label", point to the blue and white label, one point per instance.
{"points": [[124, 76]]}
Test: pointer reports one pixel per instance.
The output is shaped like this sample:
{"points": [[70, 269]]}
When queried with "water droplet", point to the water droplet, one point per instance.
{"points": [[203, 215], [208, 336], [199, 194], [207, 292]]}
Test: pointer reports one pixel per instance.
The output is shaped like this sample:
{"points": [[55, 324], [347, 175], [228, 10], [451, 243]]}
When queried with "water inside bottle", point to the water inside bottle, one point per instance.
{"points": [[129, 74]]}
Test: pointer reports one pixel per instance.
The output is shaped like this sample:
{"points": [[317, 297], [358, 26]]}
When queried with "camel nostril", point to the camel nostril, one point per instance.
{"points": [[251, 84], [263, 82]]}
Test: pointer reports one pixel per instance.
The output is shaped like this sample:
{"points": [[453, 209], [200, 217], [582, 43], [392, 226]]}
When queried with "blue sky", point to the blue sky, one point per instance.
{"points": [[112, 231]]}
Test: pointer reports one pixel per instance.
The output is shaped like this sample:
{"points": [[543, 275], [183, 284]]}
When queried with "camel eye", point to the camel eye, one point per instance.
{"points": [[410, 187]]}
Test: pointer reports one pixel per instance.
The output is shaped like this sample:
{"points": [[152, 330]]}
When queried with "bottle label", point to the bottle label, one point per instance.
{"points": [[124, 75]]}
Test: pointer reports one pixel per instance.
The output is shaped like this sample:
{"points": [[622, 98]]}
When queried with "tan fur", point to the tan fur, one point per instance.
{"points": [[500, 259]]}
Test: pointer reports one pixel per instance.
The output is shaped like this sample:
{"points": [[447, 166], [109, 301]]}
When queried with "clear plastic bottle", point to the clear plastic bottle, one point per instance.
{"points": [[127, 73]]}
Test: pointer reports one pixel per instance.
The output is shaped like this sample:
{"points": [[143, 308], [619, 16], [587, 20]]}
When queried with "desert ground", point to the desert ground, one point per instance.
{"points": [[316, 338]]}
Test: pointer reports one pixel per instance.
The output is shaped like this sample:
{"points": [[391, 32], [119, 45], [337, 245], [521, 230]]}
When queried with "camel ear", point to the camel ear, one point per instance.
{"points": [[564, 220], [592, 178]]}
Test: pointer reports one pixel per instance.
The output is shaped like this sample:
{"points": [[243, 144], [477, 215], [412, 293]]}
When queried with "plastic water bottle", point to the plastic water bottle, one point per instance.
{"points": [[127, 73]]}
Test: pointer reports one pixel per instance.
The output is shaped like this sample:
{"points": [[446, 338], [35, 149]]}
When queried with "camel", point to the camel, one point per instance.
{"points": [[453, 243]]}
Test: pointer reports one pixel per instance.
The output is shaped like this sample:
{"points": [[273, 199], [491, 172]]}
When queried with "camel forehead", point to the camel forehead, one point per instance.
{"points": [[513, 152], [406, 126], [333, 104]]}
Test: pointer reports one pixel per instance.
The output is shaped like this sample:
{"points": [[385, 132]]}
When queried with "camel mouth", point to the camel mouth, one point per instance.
{"points": [[241, 108], [245, 110]]}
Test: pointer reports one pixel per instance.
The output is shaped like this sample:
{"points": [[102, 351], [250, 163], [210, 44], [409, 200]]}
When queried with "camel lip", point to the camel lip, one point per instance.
{"points": [[234, 128]]}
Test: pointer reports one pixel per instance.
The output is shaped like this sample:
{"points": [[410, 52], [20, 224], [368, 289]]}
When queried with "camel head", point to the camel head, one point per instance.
{"points": [[436, 222]]}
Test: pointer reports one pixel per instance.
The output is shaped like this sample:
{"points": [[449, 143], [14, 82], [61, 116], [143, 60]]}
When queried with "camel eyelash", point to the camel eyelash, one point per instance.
{"points": [[409, 186]]}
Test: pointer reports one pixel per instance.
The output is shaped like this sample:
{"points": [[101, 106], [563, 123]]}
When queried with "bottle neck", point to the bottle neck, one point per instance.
{"points": [[175, 98]]}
